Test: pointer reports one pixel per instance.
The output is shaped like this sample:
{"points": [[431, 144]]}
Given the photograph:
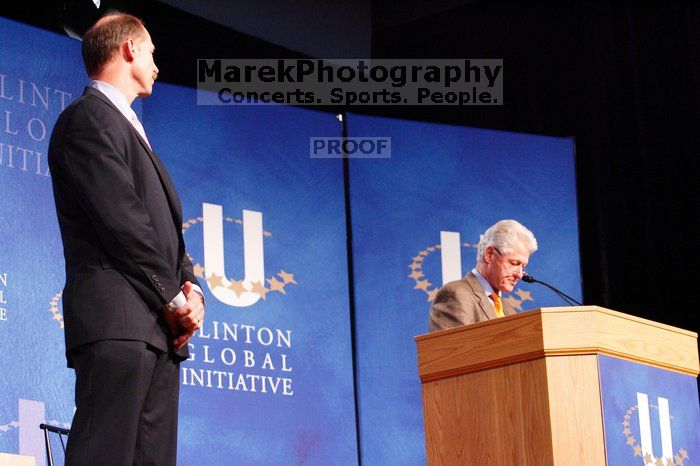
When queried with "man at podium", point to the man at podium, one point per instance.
{"points": [[503, 253]]}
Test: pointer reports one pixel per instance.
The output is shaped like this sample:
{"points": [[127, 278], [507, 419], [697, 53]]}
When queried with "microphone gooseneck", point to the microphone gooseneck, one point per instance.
{"points": [[566, 298]]}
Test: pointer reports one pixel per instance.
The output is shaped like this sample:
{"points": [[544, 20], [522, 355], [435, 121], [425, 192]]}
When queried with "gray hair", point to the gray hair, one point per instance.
{"points": [[503, 236]]}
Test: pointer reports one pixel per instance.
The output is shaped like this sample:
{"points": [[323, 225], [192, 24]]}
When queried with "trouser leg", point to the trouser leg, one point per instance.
{"points": [[113, 378], [157, 440]]}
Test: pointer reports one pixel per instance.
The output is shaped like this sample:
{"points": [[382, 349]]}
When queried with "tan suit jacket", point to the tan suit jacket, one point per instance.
{"points": [[462, 302]]}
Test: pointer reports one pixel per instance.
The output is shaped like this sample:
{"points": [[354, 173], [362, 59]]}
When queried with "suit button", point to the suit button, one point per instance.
{"points": [[162, 290], [154, 277]]}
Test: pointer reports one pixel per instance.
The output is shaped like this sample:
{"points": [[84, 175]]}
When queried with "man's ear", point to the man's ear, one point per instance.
{"points": [[488, 254], [129, 49]]}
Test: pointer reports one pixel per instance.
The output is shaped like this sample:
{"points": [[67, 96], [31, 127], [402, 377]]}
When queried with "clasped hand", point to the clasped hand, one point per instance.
{"points": [[185, 321]]}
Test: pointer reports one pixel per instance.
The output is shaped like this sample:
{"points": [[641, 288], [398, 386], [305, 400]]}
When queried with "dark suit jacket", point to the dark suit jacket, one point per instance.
{"points": [[120, 221], [462, 302]]}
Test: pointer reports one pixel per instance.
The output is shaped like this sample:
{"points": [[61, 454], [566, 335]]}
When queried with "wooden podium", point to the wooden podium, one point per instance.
{"points": [[525, 389]]}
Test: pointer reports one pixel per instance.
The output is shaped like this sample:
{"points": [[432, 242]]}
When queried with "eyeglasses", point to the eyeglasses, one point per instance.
{"points": [[513, 264]]}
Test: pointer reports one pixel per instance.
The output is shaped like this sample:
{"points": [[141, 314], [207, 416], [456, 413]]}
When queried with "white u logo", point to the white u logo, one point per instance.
{"points": [[645, 428], [451, 255], [254, 260]]}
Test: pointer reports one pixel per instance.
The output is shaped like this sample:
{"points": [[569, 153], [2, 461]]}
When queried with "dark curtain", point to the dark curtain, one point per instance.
{"points": [[622, 78]]}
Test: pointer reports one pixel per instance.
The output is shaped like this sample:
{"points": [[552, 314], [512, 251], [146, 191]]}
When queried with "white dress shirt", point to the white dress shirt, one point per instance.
{"points": [[485, 285]]}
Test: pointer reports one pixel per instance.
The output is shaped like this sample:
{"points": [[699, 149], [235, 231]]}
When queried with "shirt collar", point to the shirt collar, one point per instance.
{"points": [[115, 96], [485, 285]]}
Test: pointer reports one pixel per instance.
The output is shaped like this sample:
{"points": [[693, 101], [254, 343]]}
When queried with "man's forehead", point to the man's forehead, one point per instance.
{"points": [[144, 35], [145, 39], [520, 249]]}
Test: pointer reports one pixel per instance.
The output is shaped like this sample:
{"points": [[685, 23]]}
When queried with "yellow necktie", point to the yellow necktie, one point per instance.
{"points": [[497, 305]]}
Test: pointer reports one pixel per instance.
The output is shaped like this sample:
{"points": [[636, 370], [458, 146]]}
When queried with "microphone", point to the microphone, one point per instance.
{"points": [[568, 299]]}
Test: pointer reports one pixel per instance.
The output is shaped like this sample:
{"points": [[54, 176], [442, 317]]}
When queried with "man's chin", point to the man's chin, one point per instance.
{"points": [[507, 288], [146, 92]]}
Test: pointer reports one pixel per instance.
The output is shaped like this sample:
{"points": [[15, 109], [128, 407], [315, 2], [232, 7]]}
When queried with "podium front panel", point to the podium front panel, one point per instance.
{"points": [[649, 413]]}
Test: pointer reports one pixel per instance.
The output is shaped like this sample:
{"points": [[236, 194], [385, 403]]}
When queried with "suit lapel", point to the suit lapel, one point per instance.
{"points": [[168, 187], [508, 309], [480, 296]]}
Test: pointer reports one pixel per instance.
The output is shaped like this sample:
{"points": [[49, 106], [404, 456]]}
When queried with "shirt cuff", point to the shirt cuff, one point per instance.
{"points": [[177, 302], [196, 288], [199, 291]]}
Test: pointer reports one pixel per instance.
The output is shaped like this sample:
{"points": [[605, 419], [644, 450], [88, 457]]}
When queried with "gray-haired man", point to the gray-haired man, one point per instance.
{"points": [[503, 253]]}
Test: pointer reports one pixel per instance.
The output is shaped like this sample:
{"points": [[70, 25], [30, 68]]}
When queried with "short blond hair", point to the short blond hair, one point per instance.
{"points": [[102, 41]]}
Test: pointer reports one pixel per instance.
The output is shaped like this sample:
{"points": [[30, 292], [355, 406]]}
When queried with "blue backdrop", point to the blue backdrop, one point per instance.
{"points": [[256, 158], [40, 73], [441, 178]]}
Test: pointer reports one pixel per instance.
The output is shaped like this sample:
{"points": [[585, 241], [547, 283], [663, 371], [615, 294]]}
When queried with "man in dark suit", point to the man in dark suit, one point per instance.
{"points": [[131, 301], [502, 254]]}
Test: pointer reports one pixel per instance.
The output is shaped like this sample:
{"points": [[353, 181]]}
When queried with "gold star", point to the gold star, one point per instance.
{"points": [[415, 266], [416, 274], [237, 287], [423, 253], [267, 234], [659, 461], [647, 458], [422, 285], [259, 289], [229, 219], [438, 246], [198, 270], [630, 441], [239, 221], [513, 302], [287, 277], [627, 417], [276, 285], [625, 424], [524, 295], [200, 219], [430, 248], [683, 453], [417, 258], [679, 460], [56, 317], [626, 432], [214, 281], [431, 294], [637, 451]]}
